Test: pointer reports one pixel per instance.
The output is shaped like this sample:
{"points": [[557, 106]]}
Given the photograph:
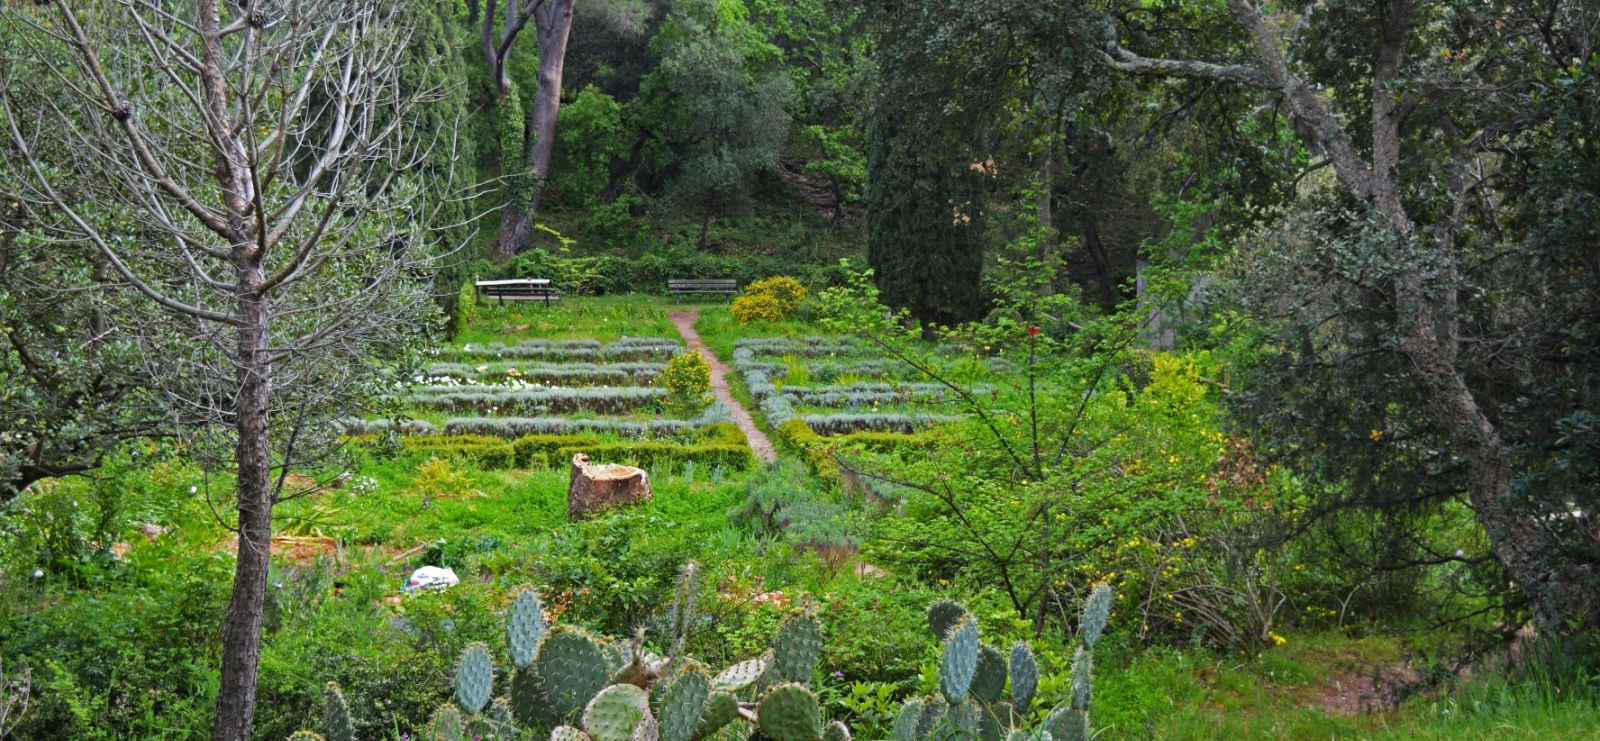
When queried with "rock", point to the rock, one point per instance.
{"points": [[597, 487]]}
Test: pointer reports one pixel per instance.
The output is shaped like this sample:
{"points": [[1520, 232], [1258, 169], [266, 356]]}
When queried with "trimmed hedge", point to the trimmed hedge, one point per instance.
{"points": [[487, 452], [531, 448], [647, 455]]}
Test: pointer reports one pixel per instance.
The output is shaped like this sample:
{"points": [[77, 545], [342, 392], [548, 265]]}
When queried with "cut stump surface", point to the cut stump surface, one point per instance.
{"points": [[597, 487]]}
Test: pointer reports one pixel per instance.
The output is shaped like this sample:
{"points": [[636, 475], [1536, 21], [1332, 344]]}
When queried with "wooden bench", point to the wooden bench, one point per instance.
{"points": [[686, 286], [519, 289]]}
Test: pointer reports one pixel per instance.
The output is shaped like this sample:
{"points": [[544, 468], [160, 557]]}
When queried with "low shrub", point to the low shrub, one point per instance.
{"points": [[687, 379], [562, 374], [514, 427], [840, 424], [769, 300], [723, 433], [626, 349], [653, 454], [598, 400], [486, 452], [539, 451], [777, 409]]}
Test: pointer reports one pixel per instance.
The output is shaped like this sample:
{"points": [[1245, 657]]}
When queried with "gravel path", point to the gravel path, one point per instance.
{"points": [[684, 321]]}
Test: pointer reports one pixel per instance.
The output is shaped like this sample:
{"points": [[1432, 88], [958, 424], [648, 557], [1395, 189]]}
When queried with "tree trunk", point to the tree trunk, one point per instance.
{"points": [[553, 24], [594, 488], [241, 638]]}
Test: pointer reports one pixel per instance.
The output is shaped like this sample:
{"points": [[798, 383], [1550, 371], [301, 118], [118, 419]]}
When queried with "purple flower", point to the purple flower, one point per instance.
{"points": [[838, 674]]}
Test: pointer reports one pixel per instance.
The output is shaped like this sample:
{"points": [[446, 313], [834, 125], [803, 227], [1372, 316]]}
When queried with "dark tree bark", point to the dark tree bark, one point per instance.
{"points": [[552, 21], [241, 634]]}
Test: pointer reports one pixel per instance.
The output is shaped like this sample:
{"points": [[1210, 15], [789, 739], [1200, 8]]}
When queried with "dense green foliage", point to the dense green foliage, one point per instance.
{"points": [[1285, 332]]}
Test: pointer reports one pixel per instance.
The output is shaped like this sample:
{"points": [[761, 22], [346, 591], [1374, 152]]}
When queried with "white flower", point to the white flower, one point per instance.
{"points": [[194, 490]]}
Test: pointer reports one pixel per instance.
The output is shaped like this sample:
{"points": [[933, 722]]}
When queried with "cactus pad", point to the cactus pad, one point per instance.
{"points": [[960, 661], [740, 675], [989, 679], [1024, 677], [614, 713], [568, 733], [525, 628], [1066, 724], [528, 702], [905, 725], [474, 678], [836, 731], [336, 715], [721, 709], [943, 615], [646, 730], [572, 669], [1096, 610], [933, 711], [960, 723], [796, 648], [447, 724], [1082, 670], [680, 705], [1006, 715], [790, 713], [1017, 734]]}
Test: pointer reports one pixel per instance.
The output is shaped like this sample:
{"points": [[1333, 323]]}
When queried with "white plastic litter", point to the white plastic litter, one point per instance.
{"points": [[431, 577]]}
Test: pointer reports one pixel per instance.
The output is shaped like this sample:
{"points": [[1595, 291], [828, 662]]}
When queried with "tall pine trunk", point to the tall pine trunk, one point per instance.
{"points": [[241, 639]]}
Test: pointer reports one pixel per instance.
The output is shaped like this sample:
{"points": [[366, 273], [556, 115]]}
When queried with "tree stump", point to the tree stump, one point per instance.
{"points": [[594, 488]]}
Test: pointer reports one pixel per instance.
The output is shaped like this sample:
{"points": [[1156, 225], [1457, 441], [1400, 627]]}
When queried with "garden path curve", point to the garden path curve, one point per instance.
{"points": [[684, 321]]}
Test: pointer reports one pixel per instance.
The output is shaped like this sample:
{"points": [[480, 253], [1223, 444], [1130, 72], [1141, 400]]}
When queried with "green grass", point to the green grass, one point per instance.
{"points": [[719, 330], [603, 318], [1198, 695]]}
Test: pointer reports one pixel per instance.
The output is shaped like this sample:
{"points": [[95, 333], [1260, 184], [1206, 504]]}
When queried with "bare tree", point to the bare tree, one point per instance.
{"points": [[250, 171], [552, 20]]}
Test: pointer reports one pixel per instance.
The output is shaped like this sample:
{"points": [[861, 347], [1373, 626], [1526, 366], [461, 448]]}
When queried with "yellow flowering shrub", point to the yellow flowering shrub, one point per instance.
{"points": [[769, 300], [687, 379]]}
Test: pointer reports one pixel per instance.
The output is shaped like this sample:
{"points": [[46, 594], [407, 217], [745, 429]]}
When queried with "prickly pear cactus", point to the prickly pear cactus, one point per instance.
{"points": [[1067, 724], [525, 627], [943, 615], [721, 709], [989, 679], [615, 712], [905, 724], [474, 678], [447, 724], [796, 648], [836, 731], [681, 704], [572, 669], [960, 660], [568, 733], [1024, 677], [336, 715], [740, 675], [1096, 611], [790, 713], [972, 679], [933, 710]]}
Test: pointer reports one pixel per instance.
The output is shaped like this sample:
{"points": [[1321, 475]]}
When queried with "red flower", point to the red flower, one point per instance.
{"points": [[1033, 331]]}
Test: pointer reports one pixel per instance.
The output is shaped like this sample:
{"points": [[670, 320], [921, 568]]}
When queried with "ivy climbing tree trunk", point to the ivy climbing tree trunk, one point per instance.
{"points": [[552, 20]]}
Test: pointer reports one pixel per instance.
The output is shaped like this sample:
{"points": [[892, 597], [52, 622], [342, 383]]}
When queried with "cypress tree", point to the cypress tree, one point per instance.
{"points": [[924, 237]]}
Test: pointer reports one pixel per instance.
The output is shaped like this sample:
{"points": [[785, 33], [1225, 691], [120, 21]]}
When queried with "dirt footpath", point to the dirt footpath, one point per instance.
{"points": [[684, 321]]}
